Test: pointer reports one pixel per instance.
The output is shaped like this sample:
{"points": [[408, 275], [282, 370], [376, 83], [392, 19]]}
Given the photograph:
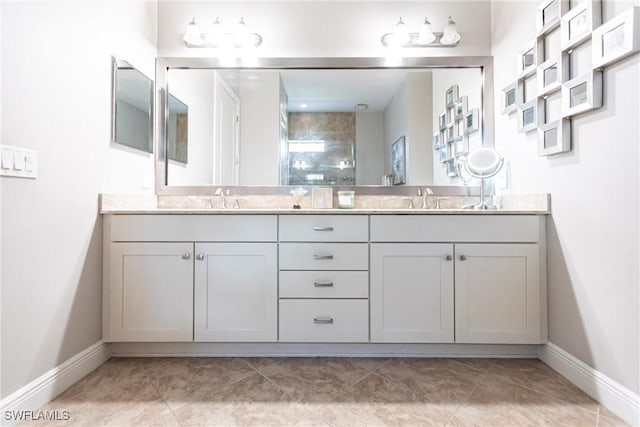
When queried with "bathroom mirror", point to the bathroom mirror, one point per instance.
{"points": [[132, 107], [310, 121]]}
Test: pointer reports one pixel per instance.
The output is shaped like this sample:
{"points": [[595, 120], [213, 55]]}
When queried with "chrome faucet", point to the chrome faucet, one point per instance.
{"points": [[439, 202], [223, 201], [410, 200], [425, 197]]}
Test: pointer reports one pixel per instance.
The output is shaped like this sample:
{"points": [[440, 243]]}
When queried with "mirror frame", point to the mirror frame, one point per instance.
{"points": [[163, 64]]}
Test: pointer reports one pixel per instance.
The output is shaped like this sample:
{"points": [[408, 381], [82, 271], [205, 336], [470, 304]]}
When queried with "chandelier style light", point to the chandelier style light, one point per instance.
{"points": [[218, 35], [425, 37]]}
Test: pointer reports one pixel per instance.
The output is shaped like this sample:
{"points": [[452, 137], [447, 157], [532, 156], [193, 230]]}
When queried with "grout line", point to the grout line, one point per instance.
{"points": [[598, 416], [162, 397], [475, 386]]}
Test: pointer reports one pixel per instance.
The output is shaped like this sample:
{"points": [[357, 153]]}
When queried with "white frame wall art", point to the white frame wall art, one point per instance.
{"points": [[590, 94], [587, 15], [616, 39], [560, 133], [507, 106], [451, 95], [548, 15], [560, 75], [528, 126], [527, 60], [471, 121]]}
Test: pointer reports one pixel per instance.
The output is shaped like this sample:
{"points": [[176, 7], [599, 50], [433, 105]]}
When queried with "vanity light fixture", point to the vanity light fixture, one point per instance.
{"points": [[425, 37], [216, 35]]}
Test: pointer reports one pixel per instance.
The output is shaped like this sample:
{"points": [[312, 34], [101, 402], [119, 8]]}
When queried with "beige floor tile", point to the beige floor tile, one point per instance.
{"points": [[536, 375], [495, 402], [606, 418]]}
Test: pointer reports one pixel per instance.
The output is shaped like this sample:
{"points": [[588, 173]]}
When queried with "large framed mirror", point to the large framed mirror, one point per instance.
{"points": [[311, 121], [131, 107]]}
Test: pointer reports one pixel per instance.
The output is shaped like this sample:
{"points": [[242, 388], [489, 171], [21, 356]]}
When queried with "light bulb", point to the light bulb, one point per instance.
{"points": [[450, 34], [425, 36], [192, 35], [401, 34], [215, 33]]}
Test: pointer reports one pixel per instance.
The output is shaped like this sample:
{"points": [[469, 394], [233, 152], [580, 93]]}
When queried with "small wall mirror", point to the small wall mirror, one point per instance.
{"points": [[132, 107]]}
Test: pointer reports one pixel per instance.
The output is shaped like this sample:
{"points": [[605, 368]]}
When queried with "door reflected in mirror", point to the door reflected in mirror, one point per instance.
{"points": [[132, 106], [308, 126]]}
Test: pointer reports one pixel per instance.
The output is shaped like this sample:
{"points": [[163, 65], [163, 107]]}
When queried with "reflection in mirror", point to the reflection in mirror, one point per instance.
{"points": [[312, 126], [132, 106], [177, 130]]}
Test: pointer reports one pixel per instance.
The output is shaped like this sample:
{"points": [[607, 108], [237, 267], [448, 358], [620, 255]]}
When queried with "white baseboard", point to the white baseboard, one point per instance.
{"points": [[614, 396], [53, 382], [312, 350]]}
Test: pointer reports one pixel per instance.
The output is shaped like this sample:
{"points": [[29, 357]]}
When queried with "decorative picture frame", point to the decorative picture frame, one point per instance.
{"points": [[399, 161], [471, 121], [443, 153], [584, 93], [551, 75], [511, 97], [528, 116], [616, 39], [461, 145], [554, 137], [460, 107], [451, 95], [451, 168], [436, 141], [577, 24], [548, 15], [450, 132], [527, 60], [442, 120]]}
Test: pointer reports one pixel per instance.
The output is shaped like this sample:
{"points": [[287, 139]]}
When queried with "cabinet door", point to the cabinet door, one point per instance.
{"points": [[151, 292], [498, 294], [411, 292], [236, 292]]}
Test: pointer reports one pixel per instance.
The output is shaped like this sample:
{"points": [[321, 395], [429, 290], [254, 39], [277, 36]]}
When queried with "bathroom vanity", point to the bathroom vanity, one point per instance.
{"points": [[332, 276]]}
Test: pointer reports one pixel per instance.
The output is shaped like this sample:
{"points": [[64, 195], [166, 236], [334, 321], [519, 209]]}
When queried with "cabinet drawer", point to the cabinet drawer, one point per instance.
{"points": [[456, 228], [324, 256], [324, 284], [324, 228], [324, 320], [198, 228]]}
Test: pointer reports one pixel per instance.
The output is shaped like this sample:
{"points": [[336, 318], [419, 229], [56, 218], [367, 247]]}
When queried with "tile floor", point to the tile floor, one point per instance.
{"points": [[327, 392]]}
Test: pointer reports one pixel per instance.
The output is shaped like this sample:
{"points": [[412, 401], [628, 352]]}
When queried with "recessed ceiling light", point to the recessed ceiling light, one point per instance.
{"points": [[303, 105], [361, 107]]}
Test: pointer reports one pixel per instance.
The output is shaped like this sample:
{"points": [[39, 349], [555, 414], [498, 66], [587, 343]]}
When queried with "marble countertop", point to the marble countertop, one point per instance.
{"points": [[111, 204]]}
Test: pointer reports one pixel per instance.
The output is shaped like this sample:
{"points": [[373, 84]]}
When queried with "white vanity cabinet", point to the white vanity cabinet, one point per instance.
{"points": [[186, 277], [485, 284], [323, 268]]}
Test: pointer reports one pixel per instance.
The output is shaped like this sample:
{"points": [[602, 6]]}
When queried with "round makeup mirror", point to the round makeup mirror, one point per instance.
{"points": [[481, 164]]}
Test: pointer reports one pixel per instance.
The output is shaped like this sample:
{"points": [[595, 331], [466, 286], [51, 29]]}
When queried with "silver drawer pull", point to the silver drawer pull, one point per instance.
{"points": [[320, 257], [449, 258], [323, 320], [323, 284], [200, 257], [463, 257], [186, 255], [322, 228]]}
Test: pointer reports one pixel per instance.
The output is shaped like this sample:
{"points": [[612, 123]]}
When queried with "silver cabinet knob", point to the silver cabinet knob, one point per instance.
{"points": [[463, 257], [320, 257], [321, 320], [200, 257], [322, 228], [449, 258], [323, 284], [186, 255]]}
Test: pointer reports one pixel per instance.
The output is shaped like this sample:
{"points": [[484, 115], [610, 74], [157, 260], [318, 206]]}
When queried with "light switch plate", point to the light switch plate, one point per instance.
{"points": [[18, 162]]}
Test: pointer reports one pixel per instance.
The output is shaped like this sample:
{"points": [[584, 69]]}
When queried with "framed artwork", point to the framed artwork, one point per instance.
{"points": [[443, 153], [582, 94], [616, 39], [442, 120], [471, 121], [510, 98], [436, 141], [551, 75], [451, 95], [451, 169], [548, 15], [460, 107], [554, 137], [450, 132], [461, 146], [577, 24], [399, 161], [526, 60], [528, 116]]}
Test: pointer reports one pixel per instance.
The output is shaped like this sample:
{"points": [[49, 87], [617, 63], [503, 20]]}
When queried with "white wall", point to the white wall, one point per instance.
{"points": [[327, 28], [593, 233], [369, 148], [469, 81], [409, 113], [195, 88], [56, 81], [260, 129]]}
